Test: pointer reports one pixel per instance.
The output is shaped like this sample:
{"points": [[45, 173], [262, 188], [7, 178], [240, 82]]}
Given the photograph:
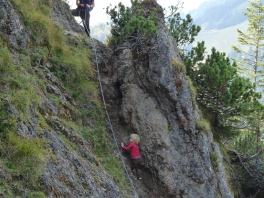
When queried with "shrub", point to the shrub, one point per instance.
{"points": [[135, 26], [214, 160], [203, 125], [179, 67], [192, 89]]}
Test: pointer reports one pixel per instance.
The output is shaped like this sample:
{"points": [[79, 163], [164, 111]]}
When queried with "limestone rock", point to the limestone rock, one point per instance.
{"points": [[143, 95], [150, 103]]}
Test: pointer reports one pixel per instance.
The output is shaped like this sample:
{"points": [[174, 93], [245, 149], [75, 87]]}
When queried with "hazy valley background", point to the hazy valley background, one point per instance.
{"points": [[219, 21]]}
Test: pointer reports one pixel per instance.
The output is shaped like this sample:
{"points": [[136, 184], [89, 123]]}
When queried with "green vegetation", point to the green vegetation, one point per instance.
{"points": [[169, 128], [17, 83], [214, 160], [203, 125], [224, 96], [250, 142], [192, 89], [230, 102], [252, 61], [183, 30], [221, 91], [134, 26], [179, 67], [102, 148], [22, 159], [69, 59]]}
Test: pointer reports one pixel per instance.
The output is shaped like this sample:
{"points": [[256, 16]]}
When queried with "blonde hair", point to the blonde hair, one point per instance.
{"points": [[135, 138]]}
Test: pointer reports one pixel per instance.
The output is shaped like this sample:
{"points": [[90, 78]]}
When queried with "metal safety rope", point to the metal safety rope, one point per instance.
{"points": [[108, 117]]}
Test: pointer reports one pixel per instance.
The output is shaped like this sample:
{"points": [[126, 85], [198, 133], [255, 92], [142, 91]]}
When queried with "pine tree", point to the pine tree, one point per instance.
{"points": [[183, 30], [134, 27], [193, 58], [221, 90], [252, 62]]}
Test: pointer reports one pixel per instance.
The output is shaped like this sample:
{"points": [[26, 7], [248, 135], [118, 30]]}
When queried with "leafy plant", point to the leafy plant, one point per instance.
{"points": [[135, 26]]}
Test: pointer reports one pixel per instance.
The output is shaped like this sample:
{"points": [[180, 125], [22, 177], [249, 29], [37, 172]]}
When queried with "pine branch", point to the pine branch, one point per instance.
{"points": [[252, 157]]}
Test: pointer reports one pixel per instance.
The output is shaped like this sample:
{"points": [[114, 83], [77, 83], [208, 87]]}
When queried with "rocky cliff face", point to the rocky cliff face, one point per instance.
{"points": [[146, 94], [151, 97], [71, 169]]}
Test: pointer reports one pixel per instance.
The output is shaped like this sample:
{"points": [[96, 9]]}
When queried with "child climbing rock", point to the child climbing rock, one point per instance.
{"points": [[133, 147]]}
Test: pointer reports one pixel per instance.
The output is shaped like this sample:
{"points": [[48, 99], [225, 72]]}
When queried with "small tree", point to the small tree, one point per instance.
{"points": [[252, 62], [193, 59], [133, 27], [183, 30], [136, 26], [221, 90]]}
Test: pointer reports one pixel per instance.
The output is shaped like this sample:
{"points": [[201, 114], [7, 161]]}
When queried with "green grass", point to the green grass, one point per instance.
{"points": [[214, 160], [103, 148], [70, 62], [70, 144], [179, 67], [49, 40], [203, 125], [23, 159], [192, 89], [18, 86]]}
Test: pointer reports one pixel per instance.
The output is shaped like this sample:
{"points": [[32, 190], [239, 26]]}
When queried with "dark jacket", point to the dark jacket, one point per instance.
{"points": [[90, 2]]}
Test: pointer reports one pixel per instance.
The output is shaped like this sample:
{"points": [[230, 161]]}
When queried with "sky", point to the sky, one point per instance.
{"points": [[98, 14]]}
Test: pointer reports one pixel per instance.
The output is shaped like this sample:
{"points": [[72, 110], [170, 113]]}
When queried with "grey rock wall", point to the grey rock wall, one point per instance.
{"points": [[144, 98], [12, 29]]}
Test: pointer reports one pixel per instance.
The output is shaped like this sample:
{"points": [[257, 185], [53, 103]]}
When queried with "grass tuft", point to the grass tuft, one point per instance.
{"points": [[214, 160], [203, 125], [179, 67]]}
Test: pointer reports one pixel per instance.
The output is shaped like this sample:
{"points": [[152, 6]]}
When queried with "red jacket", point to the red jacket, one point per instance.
{"points": [[134, 150]]}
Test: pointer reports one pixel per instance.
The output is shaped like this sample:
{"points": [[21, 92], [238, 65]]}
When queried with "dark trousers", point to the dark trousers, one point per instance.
{"points": [[85, 16], [135, 164]]}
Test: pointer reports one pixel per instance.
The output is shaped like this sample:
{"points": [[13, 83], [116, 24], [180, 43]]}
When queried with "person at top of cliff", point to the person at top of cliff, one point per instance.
{"points": [[84, 7], [135, 155]]}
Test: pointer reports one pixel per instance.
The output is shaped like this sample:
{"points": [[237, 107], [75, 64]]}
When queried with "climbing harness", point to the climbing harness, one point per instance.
{"points": [[108, 117]]}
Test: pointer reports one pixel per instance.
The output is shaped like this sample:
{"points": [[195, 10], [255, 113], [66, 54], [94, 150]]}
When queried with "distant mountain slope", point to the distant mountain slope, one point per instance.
{"points": [[219, 14], [223, 39], [219, 20]]}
